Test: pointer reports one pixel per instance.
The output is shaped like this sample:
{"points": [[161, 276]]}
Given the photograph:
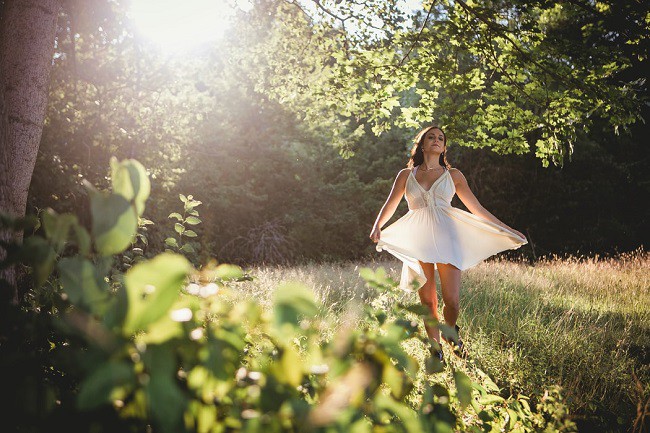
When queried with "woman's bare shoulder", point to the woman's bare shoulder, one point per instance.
{"points": [[402, 175], [457, 175]]}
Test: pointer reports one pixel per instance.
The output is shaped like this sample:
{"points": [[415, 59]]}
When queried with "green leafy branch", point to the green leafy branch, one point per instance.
{"points": [[190, 217]]}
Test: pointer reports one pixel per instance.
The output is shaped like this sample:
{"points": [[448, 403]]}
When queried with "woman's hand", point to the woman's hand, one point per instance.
{"points": [[375, 234]]}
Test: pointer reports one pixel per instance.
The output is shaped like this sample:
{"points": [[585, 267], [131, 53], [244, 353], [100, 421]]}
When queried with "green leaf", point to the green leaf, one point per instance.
{"points": [[165, 399], [291, 366], [176, 215], [192, 220], [418, 309], [491, 399], [189, 233], [83, 285], [227, 271], [367, 274], [104, 383], [172, 242], [40, 255], [183, 198], [115, 222], [395, 380], [434, 365], [57, 228], [463, 388], [83, 239], [291, 302], [187, 248], [152, 288], [130, 180], [190, 205], [180, 228], [161, 331], [449, 332]]}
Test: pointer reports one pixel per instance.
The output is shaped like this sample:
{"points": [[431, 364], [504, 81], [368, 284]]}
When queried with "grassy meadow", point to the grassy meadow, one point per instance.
{"points": [[581, 324]]}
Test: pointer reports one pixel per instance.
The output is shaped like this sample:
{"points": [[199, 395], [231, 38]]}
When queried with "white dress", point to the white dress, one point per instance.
{"points": [[433, 231]]}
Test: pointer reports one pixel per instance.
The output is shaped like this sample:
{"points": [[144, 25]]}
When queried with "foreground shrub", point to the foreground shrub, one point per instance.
{"points": [[160, 345]]}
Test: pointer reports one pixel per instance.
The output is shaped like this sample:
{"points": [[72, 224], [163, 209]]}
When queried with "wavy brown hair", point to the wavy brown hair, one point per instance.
{"points": [[417, 156]]}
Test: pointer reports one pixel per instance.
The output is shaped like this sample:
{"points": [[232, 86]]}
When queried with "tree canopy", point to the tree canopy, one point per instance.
{"points": [[514, 76]]}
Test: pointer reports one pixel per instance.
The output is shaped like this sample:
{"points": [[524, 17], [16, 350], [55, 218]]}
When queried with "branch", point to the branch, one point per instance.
{"points": [[417, 38], [527, 56]]}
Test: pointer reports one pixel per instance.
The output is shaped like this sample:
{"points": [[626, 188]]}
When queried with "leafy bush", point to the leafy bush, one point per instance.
{"points": [[163, 346]]}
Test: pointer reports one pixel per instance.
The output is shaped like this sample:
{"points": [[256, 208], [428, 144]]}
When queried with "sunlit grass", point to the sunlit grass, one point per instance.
{"points": [[581, 323]]}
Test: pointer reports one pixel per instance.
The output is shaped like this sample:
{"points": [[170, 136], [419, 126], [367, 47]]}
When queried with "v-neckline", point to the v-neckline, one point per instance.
{"points": [[432, 185]]}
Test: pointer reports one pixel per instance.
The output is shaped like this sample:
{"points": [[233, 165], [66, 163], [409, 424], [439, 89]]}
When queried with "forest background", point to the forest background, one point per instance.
{"points": [[291, 165]]}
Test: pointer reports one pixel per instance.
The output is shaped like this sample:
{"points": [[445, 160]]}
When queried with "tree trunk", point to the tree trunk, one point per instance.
{"points": [[27, 33]]}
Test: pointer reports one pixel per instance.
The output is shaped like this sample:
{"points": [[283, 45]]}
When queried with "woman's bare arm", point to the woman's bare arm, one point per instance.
{"points": [[395, 196], [471, 202]]}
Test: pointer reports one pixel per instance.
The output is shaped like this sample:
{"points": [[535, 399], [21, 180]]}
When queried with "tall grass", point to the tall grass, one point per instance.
{"points": [[580, 323]]}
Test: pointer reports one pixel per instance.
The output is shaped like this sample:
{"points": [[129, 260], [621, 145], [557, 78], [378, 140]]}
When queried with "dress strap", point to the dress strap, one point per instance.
{"points": [[415, 170]]}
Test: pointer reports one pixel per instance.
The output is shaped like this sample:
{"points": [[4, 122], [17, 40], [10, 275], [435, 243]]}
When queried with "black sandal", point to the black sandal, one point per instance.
{"points": [[436, 352]]}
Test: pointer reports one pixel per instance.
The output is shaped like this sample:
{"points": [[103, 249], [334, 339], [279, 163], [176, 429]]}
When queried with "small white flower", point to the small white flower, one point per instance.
{"points": [[181, 315], [254, 375], [209, 290], [193, 289], [319, 369], [196, 334], [241, 373]]}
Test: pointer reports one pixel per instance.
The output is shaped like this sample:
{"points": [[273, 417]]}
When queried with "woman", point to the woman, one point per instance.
{"points": [[434, 235]]}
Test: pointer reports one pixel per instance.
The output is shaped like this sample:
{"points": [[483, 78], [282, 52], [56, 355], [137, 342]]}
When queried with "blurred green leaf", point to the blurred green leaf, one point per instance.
{"points": [[176, 215], [419, 309], [57, 227], [367, 274], [463, 387], [227, 271], [179, 228], [189, 233], [131, 181], [491, 399], [41, 257], [115, 222], [83, 239], [82, 284], [152, 288], [291, 365], [434, 365], [291, 302], [396, 381], [449, 332], [166, 401], [104, 381], [172, 242]]}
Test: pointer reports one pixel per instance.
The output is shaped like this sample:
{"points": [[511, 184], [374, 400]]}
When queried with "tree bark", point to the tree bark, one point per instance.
{"points": [[27, 34]]}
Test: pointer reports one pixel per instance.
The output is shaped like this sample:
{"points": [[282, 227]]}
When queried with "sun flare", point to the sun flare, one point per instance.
{"points": [[180, 24]]}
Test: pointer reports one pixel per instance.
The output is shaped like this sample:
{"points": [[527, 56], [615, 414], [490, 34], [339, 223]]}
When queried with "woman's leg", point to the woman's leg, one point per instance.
{"points": [[429, 298], [450, 288]]}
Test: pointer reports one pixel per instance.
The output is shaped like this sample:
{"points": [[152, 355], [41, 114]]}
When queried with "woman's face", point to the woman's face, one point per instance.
{"points": [[434, 141]]}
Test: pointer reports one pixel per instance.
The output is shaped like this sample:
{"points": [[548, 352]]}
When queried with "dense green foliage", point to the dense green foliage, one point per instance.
{"points": [[166, 347], [514, 76], [579, 322]]}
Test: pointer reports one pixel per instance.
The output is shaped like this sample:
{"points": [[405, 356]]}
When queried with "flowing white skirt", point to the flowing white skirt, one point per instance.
{"points": [[443, 234]]}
